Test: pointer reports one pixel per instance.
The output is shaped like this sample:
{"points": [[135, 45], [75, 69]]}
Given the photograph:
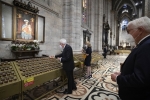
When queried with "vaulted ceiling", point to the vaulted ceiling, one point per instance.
{"points": [[127, 9]]}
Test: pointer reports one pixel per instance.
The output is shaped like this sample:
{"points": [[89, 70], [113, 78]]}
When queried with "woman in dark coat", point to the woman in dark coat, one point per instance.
{"points": [[87, 61]]}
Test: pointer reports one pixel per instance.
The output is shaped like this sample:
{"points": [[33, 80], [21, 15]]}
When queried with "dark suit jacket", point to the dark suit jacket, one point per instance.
{"points": [[67, 58], [105, 50], [134, 80]]}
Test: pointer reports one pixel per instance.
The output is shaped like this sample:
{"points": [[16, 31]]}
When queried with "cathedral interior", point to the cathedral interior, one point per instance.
{"points": [[30, 31]]}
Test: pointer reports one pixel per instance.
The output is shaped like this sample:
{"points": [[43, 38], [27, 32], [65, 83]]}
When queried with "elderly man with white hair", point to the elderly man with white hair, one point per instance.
{"points": [[134, 79], [66, 58]]}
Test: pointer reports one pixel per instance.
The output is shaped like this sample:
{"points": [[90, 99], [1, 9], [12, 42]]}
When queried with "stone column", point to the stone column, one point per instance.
{"points": [[95, 46], [92, 21], [113, 18], [117, 32], [140, 12], [147, 8], [115, 28], [72, 23], [106, 9], [101, 24], [89, 13], [109, 19], [89, 4]]}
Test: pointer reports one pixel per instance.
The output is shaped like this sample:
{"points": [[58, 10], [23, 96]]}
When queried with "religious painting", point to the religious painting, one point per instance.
{"points": [[25, 25]]}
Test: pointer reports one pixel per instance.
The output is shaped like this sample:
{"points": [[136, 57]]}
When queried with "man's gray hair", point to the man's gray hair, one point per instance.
{"points": [[141, 22], [63, 41]]}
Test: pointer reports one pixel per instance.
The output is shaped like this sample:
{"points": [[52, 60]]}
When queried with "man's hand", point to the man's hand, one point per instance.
{"points": [[114, 76], [87, 54], [59, 58], [51, 56]]}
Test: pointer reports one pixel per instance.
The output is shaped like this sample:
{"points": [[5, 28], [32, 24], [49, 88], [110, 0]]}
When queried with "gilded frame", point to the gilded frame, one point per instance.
{"points": [[25, 25], [19, 16]]}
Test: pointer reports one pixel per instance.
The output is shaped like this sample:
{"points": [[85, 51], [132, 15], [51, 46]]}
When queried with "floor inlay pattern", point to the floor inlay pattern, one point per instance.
{"points": [[99, 87]]}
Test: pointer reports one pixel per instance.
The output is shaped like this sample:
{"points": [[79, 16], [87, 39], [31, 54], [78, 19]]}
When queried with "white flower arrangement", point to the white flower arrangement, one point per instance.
{"points": [[24, 45], [36, 43]]}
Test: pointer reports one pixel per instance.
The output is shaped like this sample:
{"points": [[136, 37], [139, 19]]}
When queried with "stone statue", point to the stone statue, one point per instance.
{"points": [[106, 29]]}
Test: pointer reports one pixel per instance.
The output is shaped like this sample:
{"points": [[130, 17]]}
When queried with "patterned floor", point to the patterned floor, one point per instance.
{"points": [[99, 87]]}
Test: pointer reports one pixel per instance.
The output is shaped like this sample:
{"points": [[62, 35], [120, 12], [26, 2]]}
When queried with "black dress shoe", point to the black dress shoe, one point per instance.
{"points": [[89, 76], [66, 92]]}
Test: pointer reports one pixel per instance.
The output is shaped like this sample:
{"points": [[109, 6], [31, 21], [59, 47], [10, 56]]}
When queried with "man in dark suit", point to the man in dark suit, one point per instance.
{"points": [[66, 58], [134, 79]]}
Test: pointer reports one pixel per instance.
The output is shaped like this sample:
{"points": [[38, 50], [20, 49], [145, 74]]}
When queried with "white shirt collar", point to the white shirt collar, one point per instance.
{"points": [[143, 39]]}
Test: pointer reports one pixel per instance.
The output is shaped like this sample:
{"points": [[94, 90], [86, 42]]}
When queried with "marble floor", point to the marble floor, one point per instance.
{"points": [[99, 87]]}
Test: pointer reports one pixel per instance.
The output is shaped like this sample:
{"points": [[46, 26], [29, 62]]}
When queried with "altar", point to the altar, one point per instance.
{"points": [[122, 52]]}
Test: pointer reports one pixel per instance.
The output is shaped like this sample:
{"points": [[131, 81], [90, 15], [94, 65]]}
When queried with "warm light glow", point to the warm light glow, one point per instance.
{"points": [[124, 45]]}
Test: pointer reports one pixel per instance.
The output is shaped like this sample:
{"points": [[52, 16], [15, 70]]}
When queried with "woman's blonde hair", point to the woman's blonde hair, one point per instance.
{"points": [[88, 43]]}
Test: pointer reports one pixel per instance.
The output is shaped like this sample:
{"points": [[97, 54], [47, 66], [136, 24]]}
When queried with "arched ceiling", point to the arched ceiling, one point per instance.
{"points": [[127, 9]]}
